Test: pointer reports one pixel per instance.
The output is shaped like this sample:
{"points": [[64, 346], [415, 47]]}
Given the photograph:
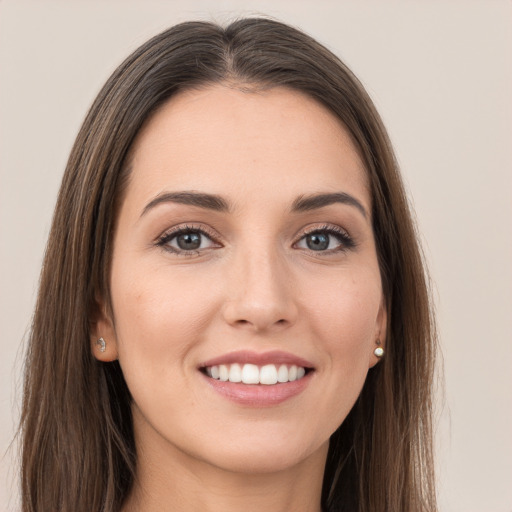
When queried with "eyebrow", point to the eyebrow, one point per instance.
{"points": [[315, 201], [201, 200], [217, 203]]}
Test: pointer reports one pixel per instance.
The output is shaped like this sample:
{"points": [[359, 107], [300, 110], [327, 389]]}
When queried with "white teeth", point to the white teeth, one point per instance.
{"points": [[223, 372], [235, 373], [282, 373], [250, 374], [268, 374]]}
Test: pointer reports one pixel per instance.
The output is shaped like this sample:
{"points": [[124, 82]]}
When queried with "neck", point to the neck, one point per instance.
{"points": [[172, 480]]}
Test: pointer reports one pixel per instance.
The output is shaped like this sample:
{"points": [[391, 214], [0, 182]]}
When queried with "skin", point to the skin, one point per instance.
{"points": [[253, 285]]}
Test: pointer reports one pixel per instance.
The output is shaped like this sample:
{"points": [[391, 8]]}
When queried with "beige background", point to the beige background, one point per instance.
{"points": [[441, 76]]}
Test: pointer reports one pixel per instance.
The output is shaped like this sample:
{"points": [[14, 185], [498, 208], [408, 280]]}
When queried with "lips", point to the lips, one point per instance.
{"points": [[258, 379]]}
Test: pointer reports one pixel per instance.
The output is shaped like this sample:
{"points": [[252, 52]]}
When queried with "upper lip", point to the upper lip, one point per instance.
{"points": [[259, 359]]}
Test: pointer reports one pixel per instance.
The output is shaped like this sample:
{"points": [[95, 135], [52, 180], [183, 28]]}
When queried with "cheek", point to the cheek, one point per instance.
{"points": [[344, 316], [345, 311], [159, 314], [160, 321], [342, 313]]}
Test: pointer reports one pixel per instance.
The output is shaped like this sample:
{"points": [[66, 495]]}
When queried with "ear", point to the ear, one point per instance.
{"points": [[102, 328], [381, 325]]}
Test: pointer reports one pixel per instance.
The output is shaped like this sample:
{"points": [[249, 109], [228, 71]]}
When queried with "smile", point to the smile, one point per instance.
{"points": [[267, 375], [254, 379]]}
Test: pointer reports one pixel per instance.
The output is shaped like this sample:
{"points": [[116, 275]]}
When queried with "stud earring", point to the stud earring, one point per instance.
{"points": [[102, 344], [379, 351]]}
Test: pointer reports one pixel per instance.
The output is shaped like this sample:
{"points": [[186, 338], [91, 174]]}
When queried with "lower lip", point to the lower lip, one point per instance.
{"points": [[259, 395]]}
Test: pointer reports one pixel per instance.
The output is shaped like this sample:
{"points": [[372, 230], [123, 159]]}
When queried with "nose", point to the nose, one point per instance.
{"points": [[260, 292]]}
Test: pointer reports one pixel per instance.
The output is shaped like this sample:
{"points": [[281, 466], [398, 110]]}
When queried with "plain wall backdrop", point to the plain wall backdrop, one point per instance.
{"points": [[440, 74]]}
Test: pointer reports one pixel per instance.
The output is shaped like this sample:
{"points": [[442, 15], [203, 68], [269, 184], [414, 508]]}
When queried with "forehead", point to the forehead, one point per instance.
{"points": [[277, 142]]}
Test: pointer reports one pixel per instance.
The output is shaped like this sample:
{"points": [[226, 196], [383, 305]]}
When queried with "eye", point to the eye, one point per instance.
{"points": [[327, 239], [186, 240]]}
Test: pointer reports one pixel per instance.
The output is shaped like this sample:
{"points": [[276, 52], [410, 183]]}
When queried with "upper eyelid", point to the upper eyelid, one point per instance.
{"points": [[332, 228], [188, 227], [324, 227]]}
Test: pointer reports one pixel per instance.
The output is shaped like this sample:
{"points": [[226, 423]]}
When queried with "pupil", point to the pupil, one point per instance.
{"points": [[317, 242], [189, 241]]}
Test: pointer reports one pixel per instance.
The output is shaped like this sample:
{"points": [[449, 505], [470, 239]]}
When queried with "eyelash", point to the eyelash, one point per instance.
{"points": [[345, 240], [164, 240]]}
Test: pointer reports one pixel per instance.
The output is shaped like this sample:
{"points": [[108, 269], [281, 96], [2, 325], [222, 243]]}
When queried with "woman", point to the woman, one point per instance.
{"points": [[233, 310]]}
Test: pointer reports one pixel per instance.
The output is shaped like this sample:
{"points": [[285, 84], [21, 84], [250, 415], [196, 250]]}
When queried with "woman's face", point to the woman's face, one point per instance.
{"points": [[243, 251]]}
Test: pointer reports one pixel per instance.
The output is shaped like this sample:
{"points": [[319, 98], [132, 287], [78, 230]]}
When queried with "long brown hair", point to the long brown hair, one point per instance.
{"points": [[78, 451]]}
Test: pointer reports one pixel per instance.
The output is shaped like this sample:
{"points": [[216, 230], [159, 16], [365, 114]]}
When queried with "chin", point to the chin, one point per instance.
{"points": [[264, 455], [257, 464]]}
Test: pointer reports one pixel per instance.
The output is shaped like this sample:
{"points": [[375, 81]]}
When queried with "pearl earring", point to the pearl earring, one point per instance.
{"points": [[102, 344], [379, 351]]}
